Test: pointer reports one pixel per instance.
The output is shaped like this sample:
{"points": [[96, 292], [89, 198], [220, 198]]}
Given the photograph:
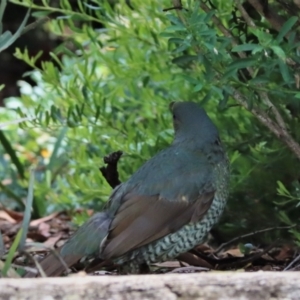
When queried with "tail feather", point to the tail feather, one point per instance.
{"points": [[55, 264], [84, 242]]}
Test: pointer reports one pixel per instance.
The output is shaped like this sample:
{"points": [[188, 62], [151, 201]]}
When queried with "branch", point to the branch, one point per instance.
{"points": [[274, 19], [110, 172], [279, 128], [237, 239], [244, 13]]}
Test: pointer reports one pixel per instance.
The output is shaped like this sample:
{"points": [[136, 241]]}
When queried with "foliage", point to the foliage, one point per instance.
{"points": [[6, 38], [109, 85]]}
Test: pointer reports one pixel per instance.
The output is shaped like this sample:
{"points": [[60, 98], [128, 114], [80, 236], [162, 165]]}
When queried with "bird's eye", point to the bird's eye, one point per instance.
{"points": [[174, 117]]}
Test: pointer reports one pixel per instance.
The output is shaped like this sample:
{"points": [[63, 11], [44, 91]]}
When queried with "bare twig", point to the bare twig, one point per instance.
{"points": [[174, 7], [33, 272], [288, 267], [236, 239], [244, 13], [35, 24], [110, 172]]}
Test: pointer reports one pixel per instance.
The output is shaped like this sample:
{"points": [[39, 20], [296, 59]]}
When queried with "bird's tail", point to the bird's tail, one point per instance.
{"points": [[84, 242]]}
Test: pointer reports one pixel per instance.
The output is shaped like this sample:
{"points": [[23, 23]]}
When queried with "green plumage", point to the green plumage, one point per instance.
{"points": [[165, 208]]}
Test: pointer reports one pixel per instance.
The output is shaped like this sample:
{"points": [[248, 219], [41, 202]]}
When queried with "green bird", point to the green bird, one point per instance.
{"points": [[164, 209]]}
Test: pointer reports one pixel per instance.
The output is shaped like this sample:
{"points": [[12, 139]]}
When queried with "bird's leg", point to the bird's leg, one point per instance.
{"points": [[110, 171]]}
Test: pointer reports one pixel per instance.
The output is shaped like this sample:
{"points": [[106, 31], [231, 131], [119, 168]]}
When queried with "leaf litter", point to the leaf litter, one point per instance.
{"points": [[53, 231]]}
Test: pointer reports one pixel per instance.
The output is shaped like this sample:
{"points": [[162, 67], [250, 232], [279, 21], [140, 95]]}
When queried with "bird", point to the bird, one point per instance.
{"points": [[164, 209]]}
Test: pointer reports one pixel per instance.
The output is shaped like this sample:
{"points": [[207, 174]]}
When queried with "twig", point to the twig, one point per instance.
{"points": [[292, 263], [173, 7], [36, 263], [222, 246], [244, 13], [110, 172], [35, 24]]}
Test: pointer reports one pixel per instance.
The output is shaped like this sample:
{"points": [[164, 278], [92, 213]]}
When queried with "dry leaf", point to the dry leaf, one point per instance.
{"points": [[36, 222], [53, 240], [5, 216], [234, 252]]}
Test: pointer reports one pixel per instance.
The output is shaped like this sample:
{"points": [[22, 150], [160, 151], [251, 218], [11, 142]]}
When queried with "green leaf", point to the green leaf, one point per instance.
{"points": [[235, 156], [284, 70], [198, 87], [2, 246], [281, 189], [176, 40], [279, 52], [27, 213], [246, 47], [242, 63], [40, 14], [11, 253], [11, 152], [2, 9], [12, 38], [12, 195], [57, 146], [175, 28], [184, 59], [287, 26]]}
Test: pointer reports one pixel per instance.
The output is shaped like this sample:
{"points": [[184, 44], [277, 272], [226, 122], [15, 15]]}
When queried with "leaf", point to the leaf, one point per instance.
{"points": [[287, 26], [285, 72], [281, 189], [175, 28], [246, 47], [224, 100], [11, 152], [2, 9], [176, 40], [13, 38], [40, 14], [184, 59], [56, 148], [198, 87], [2, 246], [236, 154], [11, 253], [12, 195], [279, 52], [14, 122], [92, 6], [260, 80], [242, 63], [27, 213]]}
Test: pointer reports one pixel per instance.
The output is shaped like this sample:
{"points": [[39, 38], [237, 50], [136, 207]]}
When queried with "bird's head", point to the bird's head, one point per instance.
{"points": [[192, 123]]}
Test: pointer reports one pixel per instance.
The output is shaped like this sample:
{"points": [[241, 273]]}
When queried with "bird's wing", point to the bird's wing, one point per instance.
{"points": [[86, 240], [142, 219]]}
